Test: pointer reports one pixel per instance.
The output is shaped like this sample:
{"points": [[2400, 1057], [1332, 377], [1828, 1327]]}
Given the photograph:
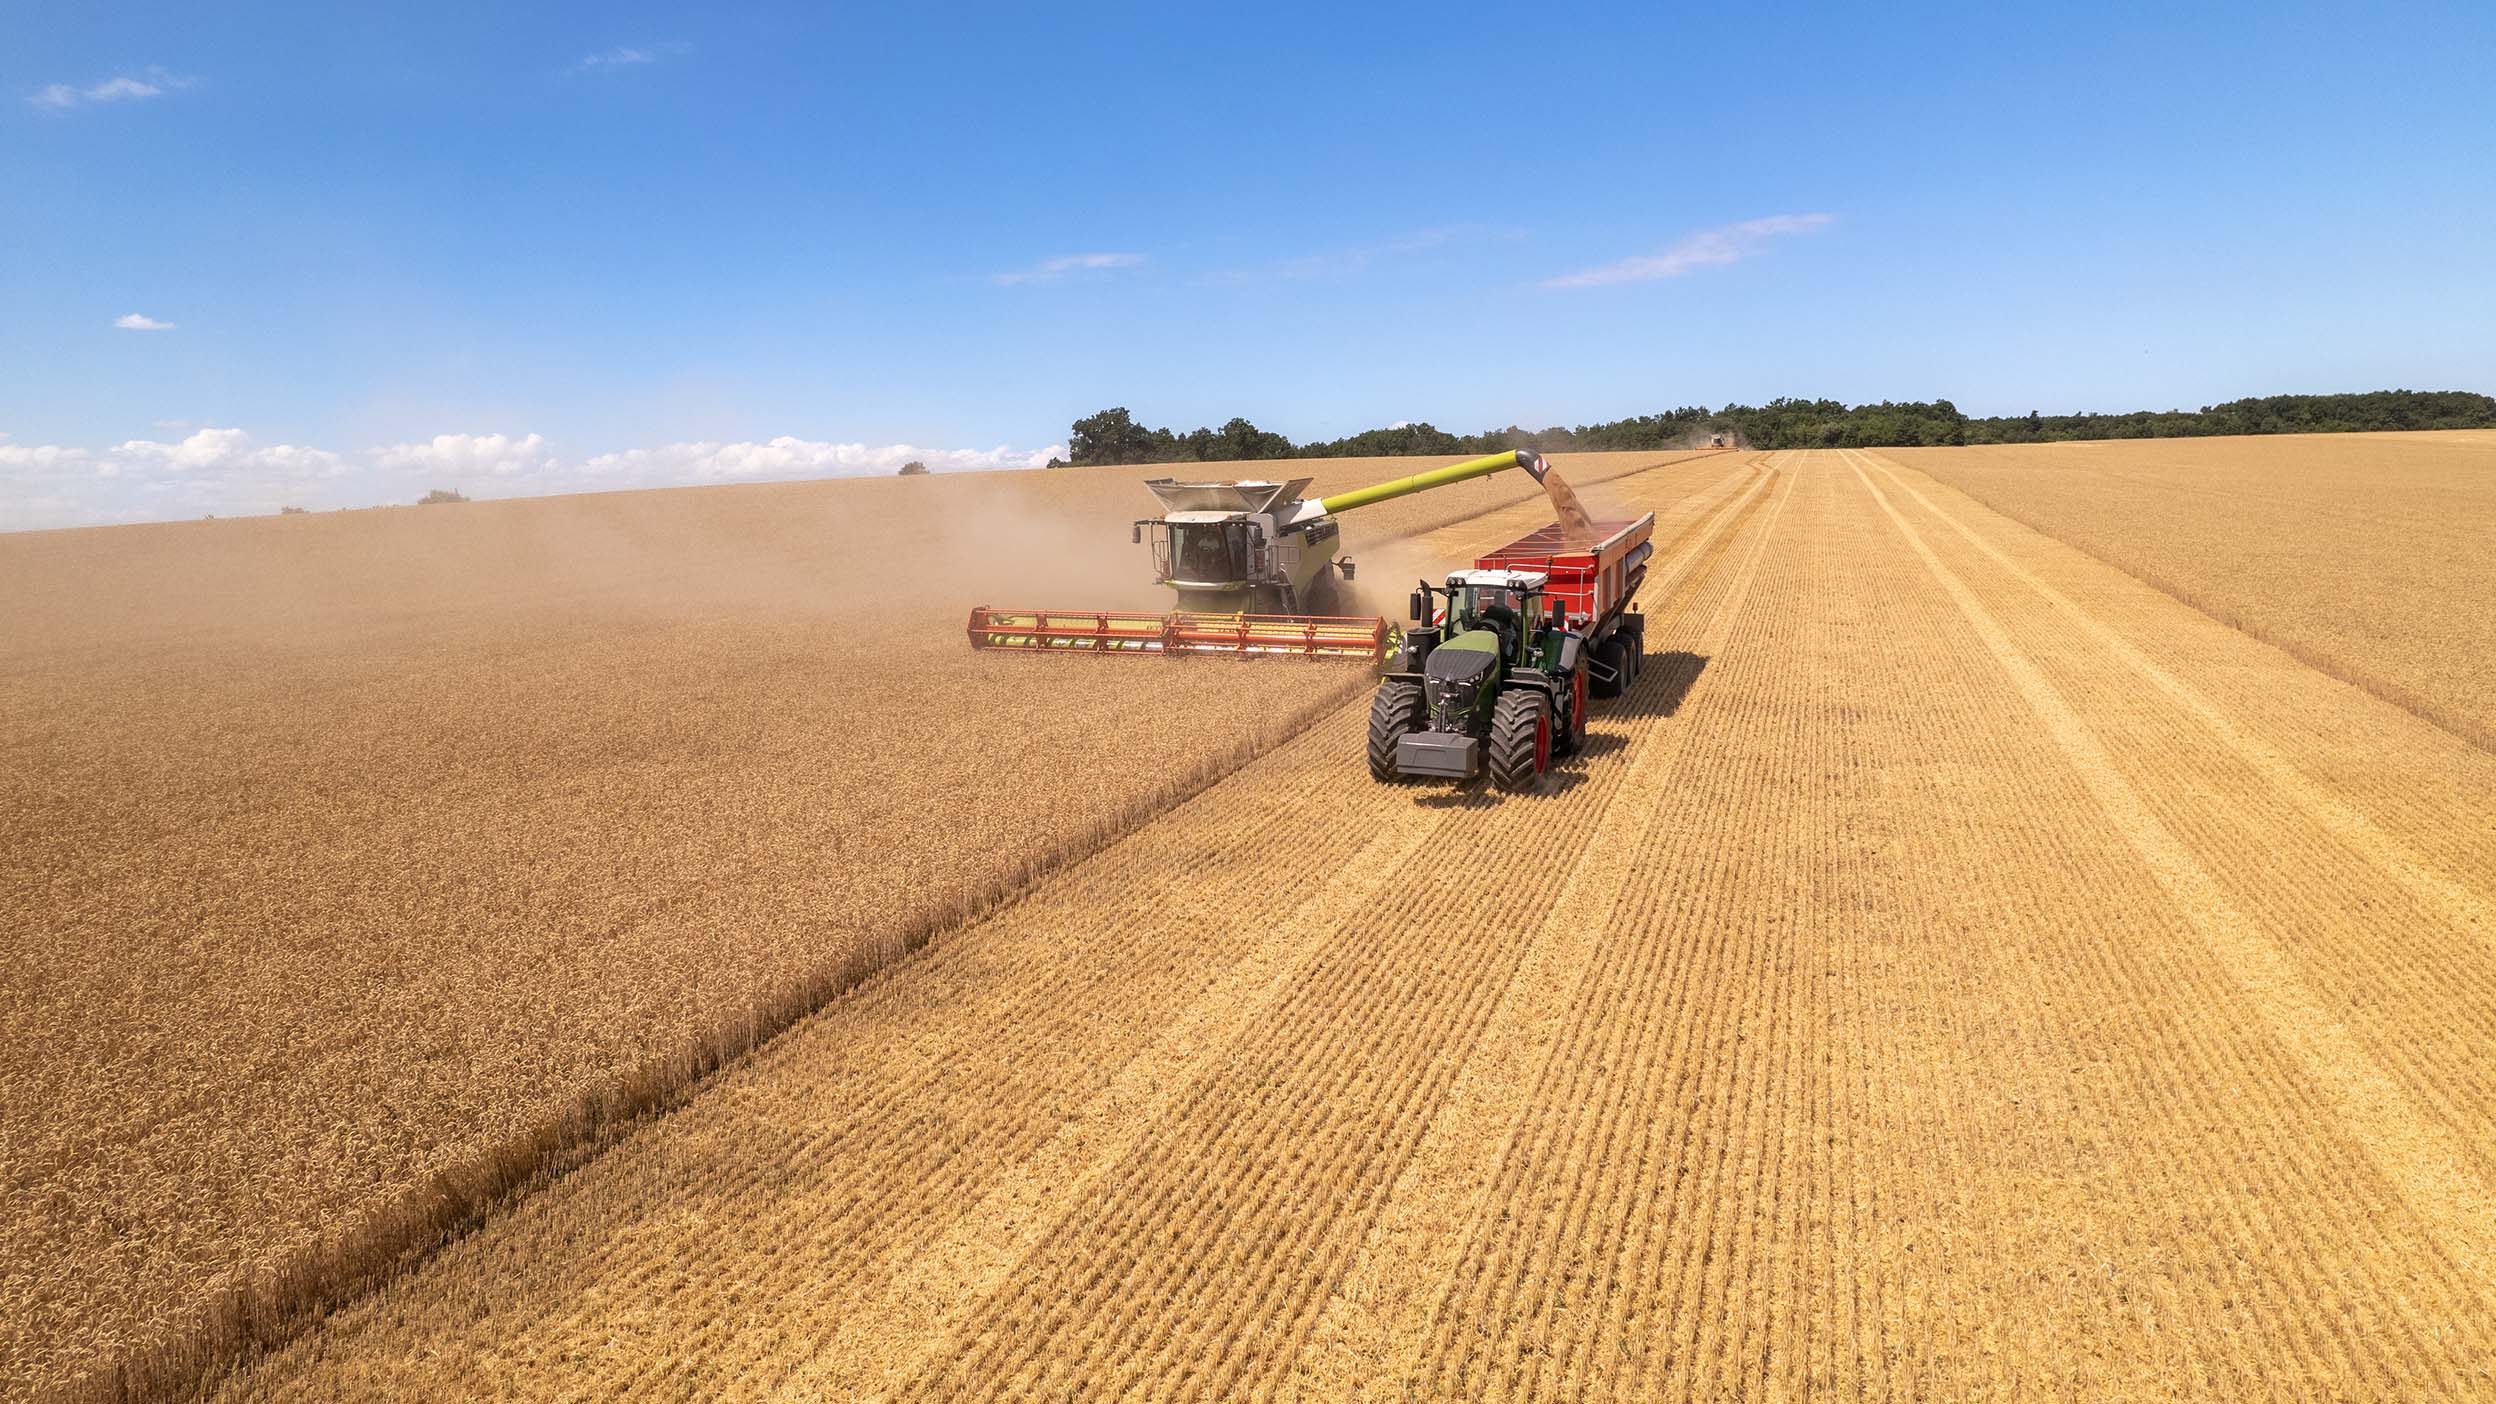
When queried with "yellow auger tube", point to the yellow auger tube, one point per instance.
{"points": [[1482, 467]]}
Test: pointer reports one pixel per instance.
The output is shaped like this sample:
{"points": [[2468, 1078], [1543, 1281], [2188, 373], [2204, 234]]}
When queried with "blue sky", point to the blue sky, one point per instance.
{"points": [[626, 244]]}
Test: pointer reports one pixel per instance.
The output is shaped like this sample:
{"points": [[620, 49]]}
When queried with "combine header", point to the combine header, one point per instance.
{"points": [[1184, 631], [1246, 559]]}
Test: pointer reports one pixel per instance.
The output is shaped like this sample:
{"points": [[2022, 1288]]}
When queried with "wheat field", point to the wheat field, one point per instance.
{"points": [[1958, 969], [363, 868]]}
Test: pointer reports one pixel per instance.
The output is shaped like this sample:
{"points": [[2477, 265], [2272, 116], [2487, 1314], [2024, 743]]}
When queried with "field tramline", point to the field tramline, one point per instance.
{"points": [[1958, 968]]}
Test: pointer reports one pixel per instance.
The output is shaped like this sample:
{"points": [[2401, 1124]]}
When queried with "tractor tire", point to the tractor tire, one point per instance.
{"points": [[1394, 714], [1520, 739], [1613, 658]]}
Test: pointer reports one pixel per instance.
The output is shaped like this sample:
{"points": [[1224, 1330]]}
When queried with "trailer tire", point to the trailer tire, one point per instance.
{"points": [[1520, 739], [1635, 645], [1612, 658], [1569, 739], [1394, 714]]}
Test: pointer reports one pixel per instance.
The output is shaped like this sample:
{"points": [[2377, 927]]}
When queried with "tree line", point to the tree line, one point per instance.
{"points": [[1113, 435]]}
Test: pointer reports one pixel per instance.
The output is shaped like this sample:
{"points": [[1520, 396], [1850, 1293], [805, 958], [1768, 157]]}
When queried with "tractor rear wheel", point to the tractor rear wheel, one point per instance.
{"points": [[1394, 714], [1520, 739]]}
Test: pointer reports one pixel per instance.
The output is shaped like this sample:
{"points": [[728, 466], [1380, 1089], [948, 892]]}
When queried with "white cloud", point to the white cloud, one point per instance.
{"points": [[140, 321], [623, 56], [787, 457], [471, 455], [227, 472], [157, 83], [1708, 248], [214, 470], [1049, 270], [38, 457], [222, 453]]}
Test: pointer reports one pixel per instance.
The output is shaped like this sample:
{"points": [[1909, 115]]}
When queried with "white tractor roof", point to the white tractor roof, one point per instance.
{"points": [[1191, 518], [1509, 579]]}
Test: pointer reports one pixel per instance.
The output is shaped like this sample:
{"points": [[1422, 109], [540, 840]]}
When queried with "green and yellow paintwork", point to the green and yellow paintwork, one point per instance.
{"points": [[1482, 467]]}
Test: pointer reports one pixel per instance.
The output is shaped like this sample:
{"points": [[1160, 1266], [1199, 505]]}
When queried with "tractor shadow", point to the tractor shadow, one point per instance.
{"points": [[1659, 692]]}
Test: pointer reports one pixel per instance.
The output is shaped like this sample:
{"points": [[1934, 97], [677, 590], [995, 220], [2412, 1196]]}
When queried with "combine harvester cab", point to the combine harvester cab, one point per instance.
{"points": [[1253, 566], [1495, 674]]}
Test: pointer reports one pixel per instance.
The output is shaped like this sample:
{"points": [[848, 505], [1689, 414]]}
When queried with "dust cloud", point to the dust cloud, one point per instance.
{"points": [[1026, 552]]}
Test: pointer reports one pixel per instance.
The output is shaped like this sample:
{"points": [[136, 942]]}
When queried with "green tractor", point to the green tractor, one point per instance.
{"points": [[1492, 681]]}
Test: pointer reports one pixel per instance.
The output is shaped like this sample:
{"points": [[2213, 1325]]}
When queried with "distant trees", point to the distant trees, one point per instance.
{"points": [[441, 495], [2374, 410], [1113, 436], [1401, 439], [913, 468], [293, 511]]}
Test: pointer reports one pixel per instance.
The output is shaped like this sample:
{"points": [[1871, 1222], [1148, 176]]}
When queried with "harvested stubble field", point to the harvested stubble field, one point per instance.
{"points": [[359, 868], [2373, 566], [1958, 970]]}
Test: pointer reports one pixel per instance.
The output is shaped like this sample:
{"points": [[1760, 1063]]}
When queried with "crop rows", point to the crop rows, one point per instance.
{"points": [[1043, 1039], [363, 867], [1930, 1089], [2350, 553], [1957, 970]]}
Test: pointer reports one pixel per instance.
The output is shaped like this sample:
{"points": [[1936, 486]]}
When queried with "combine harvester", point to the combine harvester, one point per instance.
{"points": [[1253, 564]]}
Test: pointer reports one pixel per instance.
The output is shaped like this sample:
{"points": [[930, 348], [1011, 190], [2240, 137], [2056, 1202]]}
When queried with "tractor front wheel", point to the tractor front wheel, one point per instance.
{"points": [[1394, 714], [1520, 739]]}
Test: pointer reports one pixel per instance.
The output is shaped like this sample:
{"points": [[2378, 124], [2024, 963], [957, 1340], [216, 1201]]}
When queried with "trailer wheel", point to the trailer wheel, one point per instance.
{"points": [[1568, 735], [1520, 739], [1394, 714], [1613, 658]]}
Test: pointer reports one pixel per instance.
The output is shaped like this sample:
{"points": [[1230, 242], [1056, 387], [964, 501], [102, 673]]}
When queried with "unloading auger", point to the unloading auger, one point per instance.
{"points": [[1253, 564]]}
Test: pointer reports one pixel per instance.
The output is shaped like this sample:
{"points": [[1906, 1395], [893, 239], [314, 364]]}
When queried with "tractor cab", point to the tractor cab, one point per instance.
{"points": [[1508, 603]]}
